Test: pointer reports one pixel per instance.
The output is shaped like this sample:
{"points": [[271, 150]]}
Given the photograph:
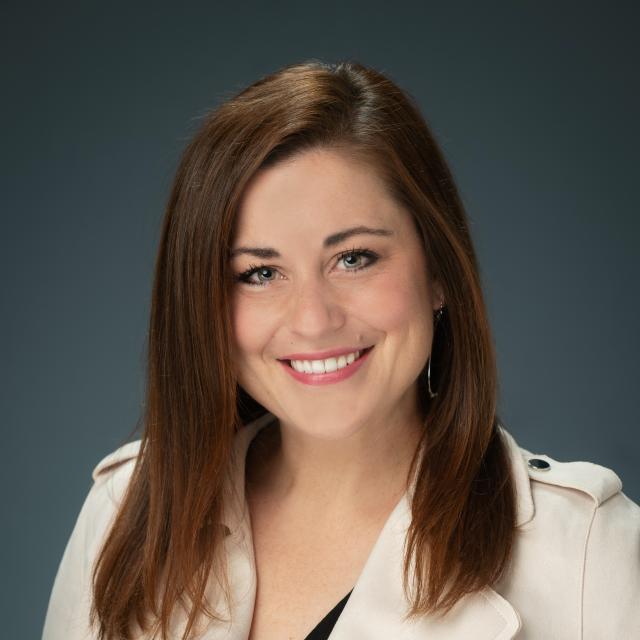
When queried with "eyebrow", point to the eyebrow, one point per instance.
{"points": [[329, 241]]}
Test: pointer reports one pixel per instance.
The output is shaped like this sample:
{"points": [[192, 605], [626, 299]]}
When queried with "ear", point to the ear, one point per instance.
{"points": [[437, 295]]}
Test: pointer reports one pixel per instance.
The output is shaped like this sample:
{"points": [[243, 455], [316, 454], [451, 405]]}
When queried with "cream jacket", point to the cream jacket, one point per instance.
{"points": [[575, 575]]}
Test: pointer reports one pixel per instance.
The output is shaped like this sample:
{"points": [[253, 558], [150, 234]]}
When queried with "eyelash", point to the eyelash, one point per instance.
{"points": [[245, 275]]}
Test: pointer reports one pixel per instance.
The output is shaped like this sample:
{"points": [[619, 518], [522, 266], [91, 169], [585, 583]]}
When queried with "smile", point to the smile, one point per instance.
{"points": [[327, 371], [327, 365]]}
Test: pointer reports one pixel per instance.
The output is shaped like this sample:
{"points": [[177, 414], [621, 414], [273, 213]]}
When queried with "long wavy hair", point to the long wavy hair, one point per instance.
{"points": [[166, 540]]}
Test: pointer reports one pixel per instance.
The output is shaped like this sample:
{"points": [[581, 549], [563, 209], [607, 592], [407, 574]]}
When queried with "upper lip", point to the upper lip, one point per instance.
{"points": [[322, 355]]}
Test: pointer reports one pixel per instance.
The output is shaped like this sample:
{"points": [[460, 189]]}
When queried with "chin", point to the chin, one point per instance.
{"points": [[327, 428]]}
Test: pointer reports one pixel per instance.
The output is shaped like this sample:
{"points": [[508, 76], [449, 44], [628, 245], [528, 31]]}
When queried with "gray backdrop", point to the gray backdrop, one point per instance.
{"points": [[535, 105]]}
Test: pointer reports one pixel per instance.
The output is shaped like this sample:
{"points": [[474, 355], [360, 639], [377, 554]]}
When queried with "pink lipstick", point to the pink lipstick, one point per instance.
{"points": [[328, 378]]}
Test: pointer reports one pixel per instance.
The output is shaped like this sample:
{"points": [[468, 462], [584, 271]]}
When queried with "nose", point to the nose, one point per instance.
{"points": [[315, 308]]}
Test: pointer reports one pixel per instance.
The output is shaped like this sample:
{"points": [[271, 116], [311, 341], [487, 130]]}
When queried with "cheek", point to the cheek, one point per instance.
{"points": [[396, 300], [250, 327]]}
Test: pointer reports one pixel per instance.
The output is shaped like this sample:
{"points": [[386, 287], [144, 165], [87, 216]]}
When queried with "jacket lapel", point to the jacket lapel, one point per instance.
{"points": [[377, 604], [375, 609]]}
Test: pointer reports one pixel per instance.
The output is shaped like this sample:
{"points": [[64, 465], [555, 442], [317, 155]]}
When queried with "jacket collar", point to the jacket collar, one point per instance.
{"points": [[483, 615]]}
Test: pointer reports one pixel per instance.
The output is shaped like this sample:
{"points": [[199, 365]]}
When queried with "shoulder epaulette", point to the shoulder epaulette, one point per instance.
{"points": [[121, 455], [597, 481]]}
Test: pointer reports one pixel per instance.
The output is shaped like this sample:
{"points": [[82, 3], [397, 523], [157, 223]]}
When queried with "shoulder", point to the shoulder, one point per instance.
{"points": [[578, 489], [113, 471], [579, 546], [68, 610], [594, 480], [582, 491], [548, 489], [563, 502], [110, 479], [126, 453]]}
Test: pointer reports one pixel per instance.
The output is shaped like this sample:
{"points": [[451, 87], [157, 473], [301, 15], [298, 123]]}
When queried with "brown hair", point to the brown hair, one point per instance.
{"points": [[166, 540]]}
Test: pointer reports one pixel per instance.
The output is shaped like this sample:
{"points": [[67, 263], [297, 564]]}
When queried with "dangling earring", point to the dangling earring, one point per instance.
{"points": [[433, 394]]}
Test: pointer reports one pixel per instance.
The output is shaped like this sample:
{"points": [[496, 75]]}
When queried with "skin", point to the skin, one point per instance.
{"points": [[342, 449]]}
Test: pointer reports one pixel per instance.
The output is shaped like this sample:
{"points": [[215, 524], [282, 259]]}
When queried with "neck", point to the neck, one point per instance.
{"points": [[357, 473]]}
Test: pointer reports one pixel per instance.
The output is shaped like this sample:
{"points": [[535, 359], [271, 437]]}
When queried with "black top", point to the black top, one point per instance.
{"points": [[322, 630]]}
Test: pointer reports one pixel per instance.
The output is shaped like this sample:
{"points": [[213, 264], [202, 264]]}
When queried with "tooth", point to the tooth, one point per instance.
{"points": [[331, 364], [328, 365]]}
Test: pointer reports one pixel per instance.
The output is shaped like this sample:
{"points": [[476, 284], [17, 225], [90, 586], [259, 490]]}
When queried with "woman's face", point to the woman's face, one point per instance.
{"points": [[322, 294]]}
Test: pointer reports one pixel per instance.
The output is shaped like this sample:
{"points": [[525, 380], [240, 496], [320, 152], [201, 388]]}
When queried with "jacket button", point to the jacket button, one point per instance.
{"points": [[539, 465]]}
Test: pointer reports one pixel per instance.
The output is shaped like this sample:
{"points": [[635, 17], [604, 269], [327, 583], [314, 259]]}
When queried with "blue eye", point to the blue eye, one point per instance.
{"points": [[245, 276]]}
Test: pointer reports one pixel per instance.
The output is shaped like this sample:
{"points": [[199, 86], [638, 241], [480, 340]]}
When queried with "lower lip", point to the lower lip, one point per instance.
{"points": [[327, 378]]}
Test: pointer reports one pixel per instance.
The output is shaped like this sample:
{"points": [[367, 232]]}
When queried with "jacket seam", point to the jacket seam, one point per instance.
{"points": [[583, 572]]}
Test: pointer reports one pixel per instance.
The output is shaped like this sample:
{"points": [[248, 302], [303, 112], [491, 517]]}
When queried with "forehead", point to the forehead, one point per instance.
{"points": [[318, 191]]}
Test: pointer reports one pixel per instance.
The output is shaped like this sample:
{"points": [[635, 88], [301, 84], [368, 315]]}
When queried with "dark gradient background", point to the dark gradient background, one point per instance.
{"points": [[536, 107]]}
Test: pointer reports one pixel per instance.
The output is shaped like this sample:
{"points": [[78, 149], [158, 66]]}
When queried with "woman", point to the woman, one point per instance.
{"points": [[321, 454]]}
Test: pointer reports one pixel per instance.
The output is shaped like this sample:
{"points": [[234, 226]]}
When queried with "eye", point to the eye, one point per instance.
{"points": [[357, 254], [259, 270], [264, 270]]}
